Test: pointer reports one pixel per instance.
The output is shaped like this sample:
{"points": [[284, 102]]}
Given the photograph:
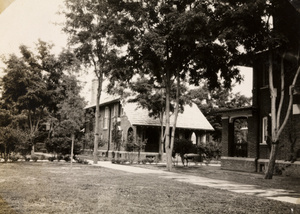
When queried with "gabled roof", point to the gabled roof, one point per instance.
{"points": [[104, 100], [191, 118]]}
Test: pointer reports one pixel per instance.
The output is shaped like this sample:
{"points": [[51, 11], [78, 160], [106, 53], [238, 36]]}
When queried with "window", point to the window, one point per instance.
{"points": [[194, 138], [264, 130], [116, 110], [105, 119]]}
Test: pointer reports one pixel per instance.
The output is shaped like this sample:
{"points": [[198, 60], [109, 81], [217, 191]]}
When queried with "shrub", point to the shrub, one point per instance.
{"points": [[51, 158], [43, 157], [14, 158], [34, 158], [67, 158], [210, 150], [82, 161], [60, 157], [113, 160], [182, 147], [123, 161], [150, 160], [27, 159]]}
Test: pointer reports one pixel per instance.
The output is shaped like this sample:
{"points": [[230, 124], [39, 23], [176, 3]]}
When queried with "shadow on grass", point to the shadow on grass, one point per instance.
{"points": [[5, 208]]}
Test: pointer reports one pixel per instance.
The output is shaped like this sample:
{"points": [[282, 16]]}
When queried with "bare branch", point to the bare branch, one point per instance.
{"points": [[290, 101]]}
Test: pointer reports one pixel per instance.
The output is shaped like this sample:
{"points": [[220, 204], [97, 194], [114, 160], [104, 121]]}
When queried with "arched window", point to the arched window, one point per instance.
{"points": [[194, 138]]}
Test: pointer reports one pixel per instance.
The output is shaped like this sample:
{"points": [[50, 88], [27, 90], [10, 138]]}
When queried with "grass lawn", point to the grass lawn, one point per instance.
{"points": [[51, 187]]}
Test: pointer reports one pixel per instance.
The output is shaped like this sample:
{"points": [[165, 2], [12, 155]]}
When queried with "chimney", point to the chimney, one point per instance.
{"points": [[94, 91]]}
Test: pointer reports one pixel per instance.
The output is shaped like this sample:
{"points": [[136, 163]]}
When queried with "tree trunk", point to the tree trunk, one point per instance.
{"points": [[175, 114], [272, 159], [167, 140], [161, 140], [72, 148], [97, 114], [32, 150], [5, 153]]}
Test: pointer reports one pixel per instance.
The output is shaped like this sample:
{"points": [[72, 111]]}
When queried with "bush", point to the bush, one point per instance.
{"points": [[14, 158], [43, 157], [82, 161], [113, 160], [34, 158], [123, 161], [150, 160], [60, 157], [51, 159], [182, 147], [67, 158], [27, 159], [210, 150]]}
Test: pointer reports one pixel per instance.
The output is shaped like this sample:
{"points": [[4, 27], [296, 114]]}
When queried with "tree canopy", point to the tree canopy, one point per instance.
{"points": [[172, 43], [89, 25], [32, 89]]}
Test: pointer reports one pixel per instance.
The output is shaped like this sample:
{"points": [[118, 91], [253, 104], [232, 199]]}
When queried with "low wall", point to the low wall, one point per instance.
{"points": [[125, 154], [284, 168], [238, 164]]}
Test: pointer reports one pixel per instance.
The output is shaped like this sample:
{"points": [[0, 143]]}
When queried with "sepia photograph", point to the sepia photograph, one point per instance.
{"points": [[150, 106]]}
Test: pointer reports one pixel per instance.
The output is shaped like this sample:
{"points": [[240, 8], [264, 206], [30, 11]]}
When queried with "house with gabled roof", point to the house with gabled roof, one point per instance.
{"points": [[128, 118]]}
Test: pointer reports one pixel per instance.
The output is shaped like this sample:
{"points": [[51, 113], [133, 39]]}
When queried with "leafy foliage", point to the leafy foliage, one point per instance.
{"points": [[69, 120], [210, 101], [183, 146], [30, 91], [172, 43], [90, 25]]}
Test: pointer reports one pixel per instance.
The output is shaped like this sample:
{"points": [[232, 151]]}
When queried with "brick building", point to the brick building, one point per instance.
{"points": [[246, 131], [128, 119]]}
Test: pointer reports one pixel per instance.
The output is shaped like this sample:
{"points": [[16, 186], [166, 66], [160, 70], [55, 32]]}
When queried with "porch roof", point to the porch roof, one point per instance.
{"points": [[236, 111], [191, 118]]}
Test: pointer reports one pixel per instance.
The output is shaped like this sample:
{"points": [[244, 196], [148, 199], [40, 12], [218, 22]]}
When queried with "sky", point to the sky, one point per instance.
{"points": [[26, 21]]}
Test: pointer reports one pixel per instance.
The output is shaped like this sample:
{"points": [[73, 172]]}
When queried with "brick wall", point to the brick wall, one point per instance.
{"points": [[225, 123], [281, 168], [238, 164], [252, 136]]}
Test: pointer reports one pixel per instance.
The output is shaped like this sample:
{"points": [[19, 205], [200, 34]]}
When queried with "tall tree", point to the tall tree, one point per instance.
{"points": [[25, 91], [174, 42], [152, 98], [89, 25], [71, 110], [30, 86], [259, 26]]}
